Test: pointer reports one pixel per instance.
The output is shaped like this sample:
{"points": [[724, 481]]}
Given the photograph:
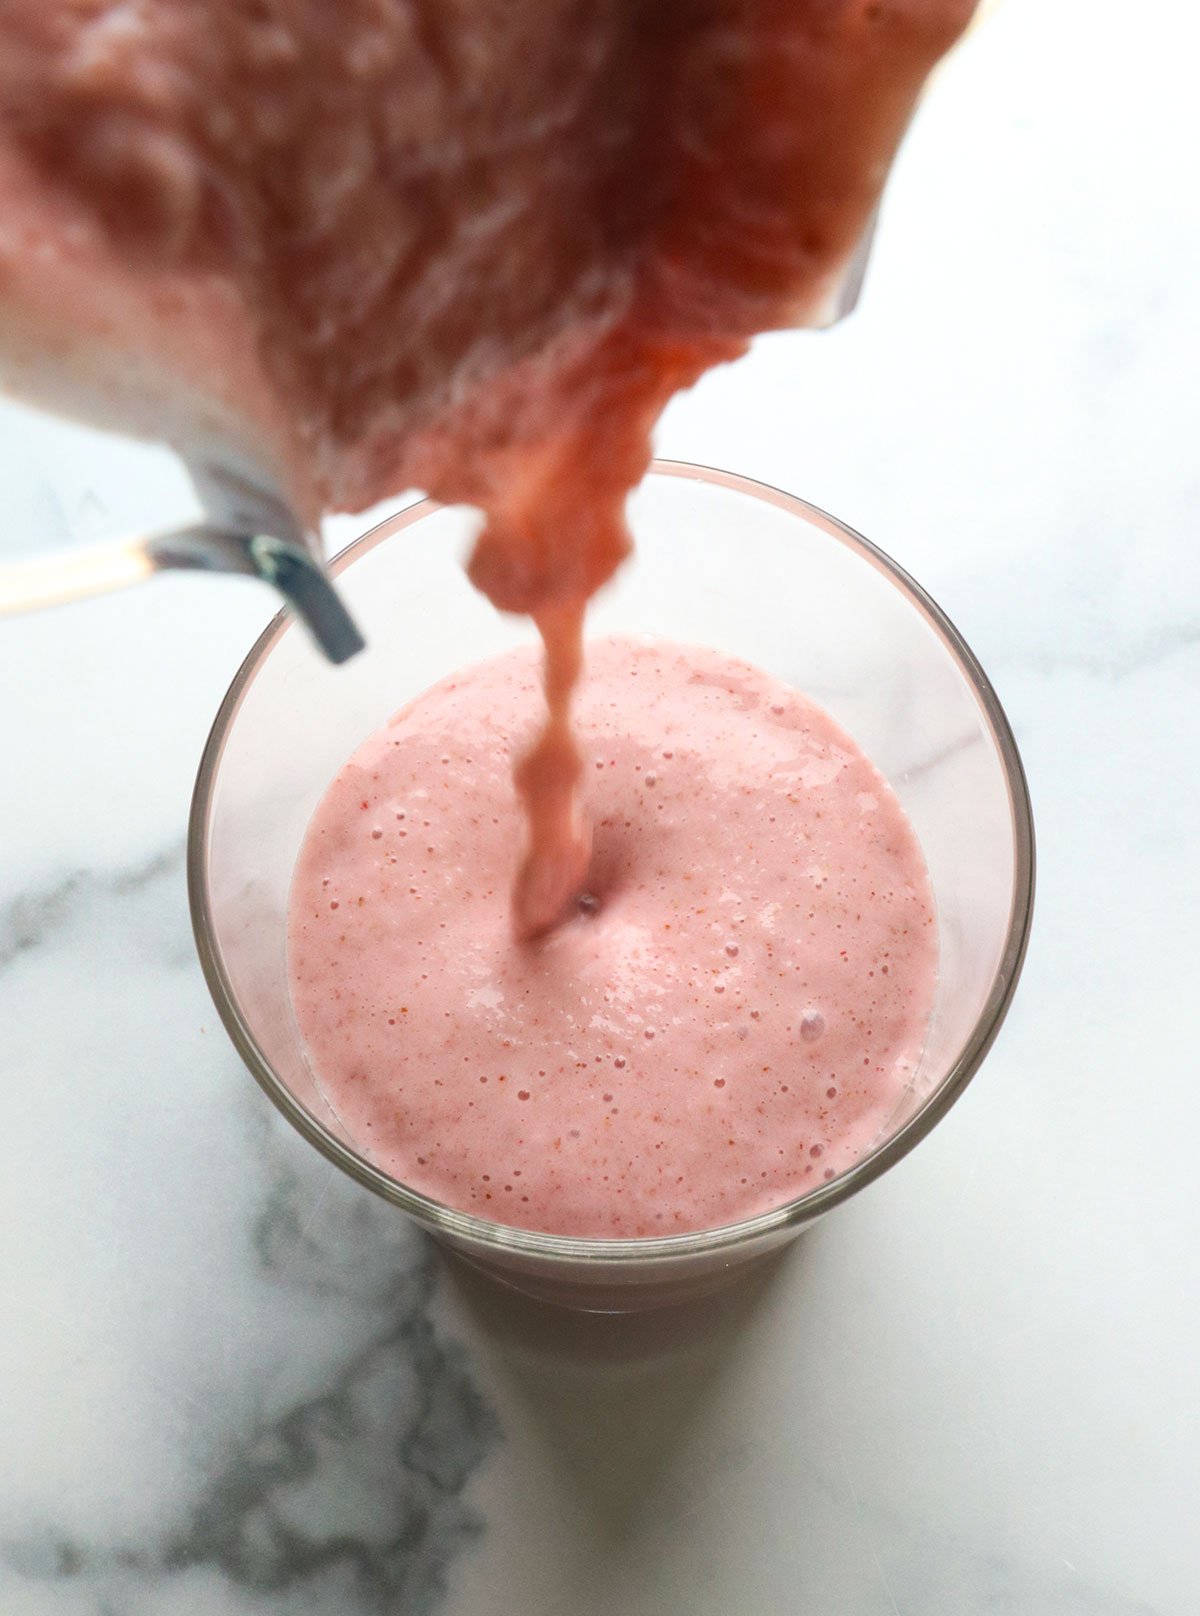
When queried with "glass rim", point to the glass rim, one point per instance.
{"points": [[571, 1249]]}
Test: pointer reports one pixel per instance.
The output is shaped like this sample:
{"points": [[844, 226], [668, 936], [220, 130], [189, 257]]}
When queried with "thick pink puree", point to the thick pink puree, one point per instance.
{"points": [[466, 247], [475, 248], [732, 1022]]}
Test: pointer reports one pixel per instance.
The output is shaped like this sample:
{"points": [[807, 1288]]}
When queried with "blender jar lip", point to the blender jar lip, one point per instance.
{"points": [[481, 1232]]}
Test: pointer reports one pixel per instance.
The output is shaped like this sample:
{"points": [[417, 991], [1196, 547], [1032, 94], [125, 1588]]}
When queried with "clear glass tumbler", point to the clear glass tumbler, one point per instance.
{"points": [[720, 561]]}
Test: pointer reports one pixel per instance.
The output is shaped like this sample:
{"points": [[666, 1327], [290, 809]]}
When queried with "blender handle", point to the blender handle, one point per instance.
{"points": [[27, 586]]}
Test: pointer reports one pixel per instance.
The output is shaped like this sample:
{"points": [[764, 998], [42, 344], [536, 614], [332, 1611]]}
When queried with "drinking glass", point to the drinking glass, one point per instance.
{"points": [[719, 561]]}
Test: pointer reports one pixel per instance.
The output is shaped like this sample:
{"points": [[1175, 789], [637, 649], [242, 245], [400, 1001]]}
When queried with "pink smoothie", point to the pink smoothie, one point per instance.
{"points": [[729, 1019], [466, 247]]}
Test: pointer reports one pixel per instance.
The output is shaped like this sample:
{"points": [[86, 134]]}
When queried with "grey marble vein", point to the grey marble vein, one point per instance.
{"points": [[944, 754], [1113, 662], [402, 1417], [923, 1573], [926, 1566], [33, 918], [353, 1494], [329, 1473], [357, 1490]]}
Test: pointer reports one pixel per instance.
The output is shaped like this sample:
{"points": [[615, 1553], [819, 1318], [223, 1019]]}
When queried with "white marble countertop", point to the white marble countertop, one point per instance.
{"points": [[233, 1384]]}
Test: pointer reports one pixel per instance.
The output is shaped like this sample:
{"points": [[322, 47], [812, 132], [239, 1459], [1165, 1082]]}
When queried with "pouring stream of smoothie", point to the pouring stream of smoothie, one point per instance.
{"points": [[548, 778], [464, 247]]}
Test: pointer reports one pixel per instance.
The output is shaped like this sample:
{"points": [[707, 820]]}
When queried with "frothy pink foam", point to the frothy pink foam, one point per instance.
{"points": [[730, 1021]]}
